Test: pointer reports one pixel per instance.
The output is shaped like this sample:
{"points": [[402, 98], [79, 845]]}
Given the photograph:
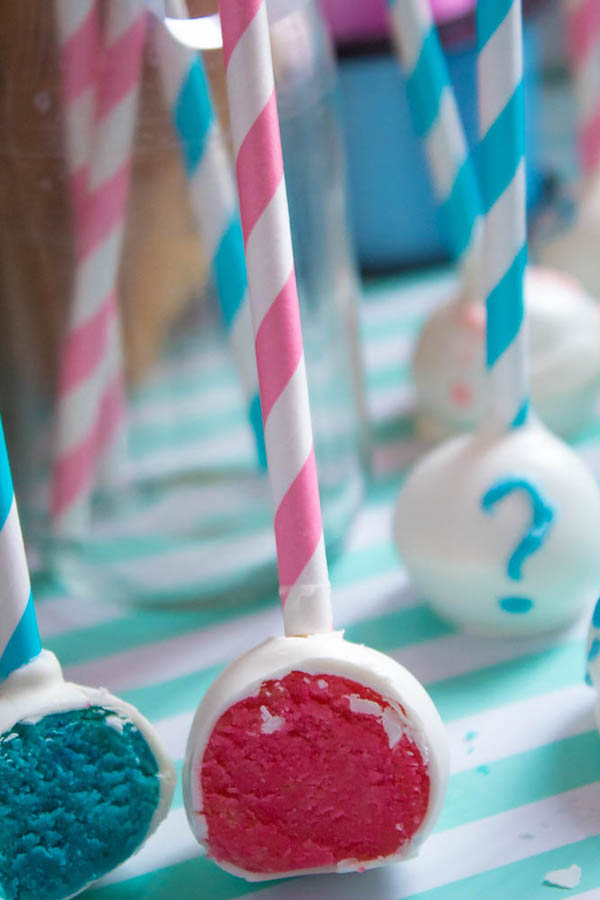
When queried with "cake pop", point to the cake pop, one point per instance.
{"points": [[309, 753], [501, 529]]}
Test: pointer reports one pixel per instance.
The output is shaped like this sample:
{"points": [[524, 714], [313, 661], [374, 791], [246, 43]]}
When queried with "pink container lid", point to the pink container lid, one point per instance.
{"points": [[360, 19]]}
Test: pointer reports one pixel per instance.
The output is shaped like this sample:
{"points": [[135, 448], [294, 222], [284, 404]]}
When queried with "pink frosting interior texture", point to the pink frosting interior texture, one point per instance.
{"points": [[310, 771]]}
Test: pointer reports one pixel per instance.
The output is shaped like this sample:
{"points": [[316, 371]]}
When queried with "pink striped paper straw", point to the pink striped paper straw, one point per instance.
{"points": [[79, 35], [90, 402], [583, 29], [303, 578]]}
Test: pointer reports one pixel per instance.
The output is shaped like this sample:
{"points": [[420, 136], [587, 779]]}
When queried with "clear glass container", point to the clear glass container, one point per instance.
{"points": [[178, 510]]}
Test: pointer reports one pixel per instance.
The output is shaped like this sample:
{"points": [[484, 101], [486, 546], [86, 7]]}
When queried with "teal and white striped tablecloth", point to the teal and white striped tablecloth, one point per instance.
{"points": [[524, 795]]}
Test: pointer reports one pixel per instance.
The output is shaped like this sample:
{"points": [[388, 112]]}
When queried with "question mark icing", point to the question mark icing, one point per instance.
{"points": [[532, 541]]}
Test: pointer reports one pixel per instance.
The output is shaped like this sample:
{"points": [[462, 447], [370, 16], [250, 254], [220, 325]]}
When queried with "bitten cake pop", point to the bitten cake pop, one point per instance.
{"points": [[84, 778], [501, 529], [564, 352], [308, 754]]}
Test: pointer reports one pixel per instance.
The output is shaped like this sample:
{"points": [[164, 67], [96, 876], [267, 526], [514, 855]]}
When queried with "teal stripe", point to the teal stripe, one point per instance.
{"points": [[490, 14], [6, 484], [256, 421], [461, 209], [505, 309], [522, 415], [24, 643], [502, 149], [426, 82], [193, 116], [229, 269]]}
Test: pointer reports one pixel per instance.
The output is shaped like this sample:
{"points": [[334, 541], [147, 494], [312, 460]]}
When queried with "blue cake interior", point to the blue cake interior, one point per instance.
{"points": [[78, 791]]}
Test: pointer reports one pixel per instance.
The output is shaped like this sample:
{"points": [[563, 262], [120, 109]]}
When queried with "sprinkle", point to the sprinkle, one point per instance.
{"points": [[470, 735], [322, 684], [564, 878], [270, 723], [485, 770]]}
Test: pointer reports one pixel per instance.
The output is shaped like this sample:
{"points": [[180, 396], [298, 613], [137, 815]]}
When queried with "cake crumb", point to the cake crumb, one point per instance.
{"points": [[564, 878]]}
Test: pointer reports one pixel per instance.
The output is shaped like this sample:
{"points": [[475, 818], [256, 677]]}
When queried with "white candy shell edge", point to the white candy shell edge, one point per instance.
{"points": [[38, 689], [323, 654]]}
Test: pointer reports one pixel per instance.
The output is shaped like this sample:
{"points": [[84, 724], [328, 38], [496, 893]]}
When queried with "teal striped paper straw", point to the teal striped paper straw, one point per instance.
{"points": [[19, 635], [438, 124], [502, 133], [213, 199]]}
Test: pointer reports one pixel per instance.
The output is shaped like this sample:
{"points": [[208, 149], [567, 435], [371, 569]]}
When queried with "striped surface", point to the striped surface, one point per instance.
{"points": [[437, 121], [301, 562], [19, 637], [90, 404], [502, 150], [525, 786], [583, 30], [213, 198]]}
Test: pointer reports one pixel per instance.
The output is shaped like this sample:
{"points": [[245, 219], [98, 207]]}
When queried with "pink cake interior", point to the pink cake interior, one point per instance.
{"points": [[312, 770]]}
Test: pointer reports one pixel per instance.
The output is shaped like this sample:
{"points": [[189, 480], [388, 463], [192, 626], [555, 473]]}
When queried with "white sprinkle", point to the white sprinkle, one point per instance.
{"points": [[322, 684], [270, 723], [10, 737], [115, 722], [564, 878], [364, 707]]}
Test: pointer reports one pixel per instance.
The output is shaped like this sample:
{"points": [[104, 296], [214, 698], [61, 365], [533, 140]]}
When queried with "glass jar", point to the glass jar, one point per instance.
{"points": [[177, 509]]}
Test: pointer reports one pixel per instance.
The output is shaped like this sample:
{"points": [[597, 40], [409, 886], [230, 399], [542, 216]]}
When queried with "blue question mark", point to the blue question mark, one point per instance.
{"points": [[533, 539]]}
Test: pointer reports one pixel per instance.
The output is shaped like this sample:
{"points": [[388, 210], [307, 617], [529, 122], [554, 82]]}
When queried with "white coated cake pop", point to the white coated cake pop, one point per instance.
{"points": [[564, 341], [277, 717], [575, 250], [501, 533]]}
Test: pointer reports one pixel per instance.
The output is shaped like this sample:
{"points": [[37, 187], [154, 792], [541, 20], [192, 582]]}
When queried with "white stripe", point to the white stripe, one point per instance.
{"points": [[500, 68], [269, 266], [502, 239], [71, 613], [519, 727], [411, 22], [288, 434], [507, 379], [175, 61], [78, 409], [587, 87], [242, 341], [121, 16], [113, 138], [249, 77], [212, 192], [445, 146], [14, 583], [308, 607], [79, 129], [95, 278], [70, 15], [445, 858]]}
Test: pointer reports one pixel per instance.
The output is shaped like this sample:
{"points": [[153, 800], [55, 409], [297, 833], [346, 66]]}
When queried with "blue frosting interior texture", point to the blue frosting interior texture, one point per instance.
{"points": [[78, 791]]}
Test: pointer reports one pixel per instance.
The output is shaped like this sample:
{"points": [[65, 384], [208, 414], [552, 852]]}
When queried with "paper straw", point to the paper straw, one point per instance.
{"points": [[502, 131], [90, 401], [19, 635], [438, 124], [80, 41], [303, 576], [583, 30], [213, 199]]}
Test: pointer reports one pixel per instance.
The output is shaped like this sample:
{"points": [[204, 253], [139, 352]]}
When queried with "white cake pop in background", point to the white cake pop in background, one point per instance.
{"points": [[575, 249], [501, 533], [564, 335]]}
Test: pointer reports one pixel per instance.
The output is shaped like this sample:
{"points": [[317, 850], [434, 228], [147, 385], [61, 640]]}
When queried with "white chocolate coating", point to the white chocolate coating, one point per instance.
{"points": [[575, 250], [322, 654], [564, 333], [457, 553], [38, 689]]}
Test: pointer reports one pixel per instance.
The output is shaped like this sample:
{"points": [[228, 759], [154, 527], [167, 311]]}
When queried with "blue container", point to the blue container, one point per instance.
{"points": [[392, 206]]}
